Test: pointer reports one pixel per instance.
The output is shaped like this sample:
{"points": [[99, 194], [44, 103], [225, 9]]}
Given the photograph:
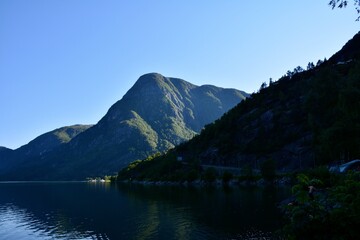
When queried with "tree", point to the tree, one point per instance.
{"points": [[344, 3], [263, 86], [289, 74], [271, 82], [319, 62], [310, 66], [298, 69]]}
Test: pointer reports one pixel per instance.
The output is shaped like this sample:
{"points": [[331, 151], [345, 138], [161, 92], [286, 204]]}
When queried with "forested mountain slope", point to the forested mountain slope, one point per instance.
{"points": [[306, 118]]}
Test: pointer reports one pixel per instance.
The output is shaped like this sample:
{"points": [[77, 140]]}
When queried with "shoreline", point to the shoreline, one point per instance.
{"points": [[284, 181]]}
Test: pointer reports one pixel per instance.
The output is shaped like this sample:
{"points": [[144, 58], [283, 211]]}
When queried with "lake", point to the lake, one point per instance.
{"points": [[81, 210]]}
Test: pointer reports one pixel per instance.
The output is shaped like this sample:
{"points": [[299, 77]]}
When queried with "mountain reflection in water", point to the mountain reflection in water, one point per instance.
{"points": [[48, 210]]}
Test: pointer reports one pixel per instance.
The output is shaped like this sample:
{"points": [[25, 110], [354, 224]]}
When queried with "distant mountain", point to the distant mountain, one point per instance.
{"points": [[5, 158], [38, 147], [305, 119], [156, 114], [3, 149], [51, 140]]}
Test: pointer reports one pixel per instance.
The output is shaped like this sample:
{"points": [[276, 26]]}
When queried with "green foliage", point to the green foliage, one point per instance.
{"points": [[65, 134], [301, 189], [141, 127], [323, 173], [110, 178], [334, 119], [333, 214], [160, 167]]}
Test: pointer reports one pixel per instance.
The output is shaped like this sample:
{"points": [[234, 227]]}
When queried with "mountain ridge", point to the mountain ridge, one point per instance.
{"points": [[40, 145], [156, 114]]}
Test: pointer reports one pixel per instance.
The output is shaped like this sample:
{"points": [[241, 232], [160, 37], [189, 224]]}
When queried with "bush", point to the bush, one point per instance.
{"points": [[333, 214], [324, 174]]}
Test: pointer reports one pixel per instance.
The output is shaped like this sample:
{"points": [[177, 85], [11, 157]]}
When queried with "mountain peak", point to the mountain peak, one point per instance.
{"points": [[161, 81], [153, 75], [150, 78], [153, 86]]}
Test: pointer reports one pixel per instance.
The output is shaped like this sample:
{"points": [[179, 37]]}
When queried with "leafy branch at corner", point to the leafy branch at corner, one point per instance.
{"points": [[344, 3]]}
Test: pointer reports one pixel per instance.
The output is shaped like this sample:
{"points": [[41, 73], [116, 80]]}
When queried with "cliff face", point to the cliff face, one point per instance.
{"points": [[156, 114]]}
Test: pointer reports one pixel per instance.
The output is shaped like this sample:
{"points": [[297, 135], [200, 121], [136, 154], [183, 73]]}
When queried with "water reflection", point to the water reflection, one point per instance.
{"points": [[224, 213], [17, 223], [104, 211]]}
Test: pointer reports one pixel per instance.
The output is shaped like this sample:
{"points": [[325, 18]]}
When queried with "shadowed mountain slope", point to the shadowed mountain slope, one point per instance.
{"points": [[305, 119]]}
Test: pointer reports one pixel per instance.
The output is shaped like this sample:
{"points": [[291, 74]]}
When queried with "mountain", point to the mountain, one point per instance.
{"points": [[305, 119], [5, 155], [41, 145], [4, 149], [156, 114], [51, 140]]}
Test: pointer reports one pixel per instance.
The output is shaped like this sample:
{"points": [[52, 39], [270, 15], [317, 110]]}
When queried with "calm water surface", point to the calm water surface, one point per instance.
{"points": [[46, 210]]}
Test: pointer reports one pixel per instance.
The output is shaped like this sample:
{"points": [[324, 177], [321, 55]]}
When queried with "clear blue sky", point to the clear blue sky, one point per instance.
{"points": [[65, 62]]}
